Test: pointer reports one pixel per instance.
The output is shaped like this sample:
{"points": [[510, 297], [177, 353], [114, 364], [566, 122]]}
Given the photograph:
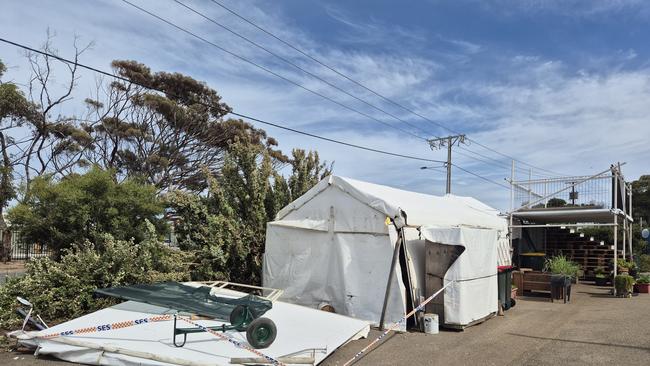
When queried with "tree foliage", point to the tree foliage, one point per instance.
{"points": [[14, 110], [55, 141], [169, 138], [81, 207], [556, 202], [641, 197], [63, 290], [226, 230], [307, 171], [150, 133], [162, 127]]}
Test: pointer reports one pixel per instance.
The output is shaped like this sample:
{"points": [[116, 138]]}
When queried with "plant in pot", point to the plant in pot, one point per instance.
{"points": [[642, 284], [601, 277], [562, 272], [624, 284], [624, 266]]}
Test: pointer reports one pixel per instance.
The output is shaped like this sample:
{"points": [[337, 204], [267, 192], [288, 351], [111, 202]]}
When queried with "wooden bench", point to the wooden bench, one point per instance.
{"points": [[529, 280]]}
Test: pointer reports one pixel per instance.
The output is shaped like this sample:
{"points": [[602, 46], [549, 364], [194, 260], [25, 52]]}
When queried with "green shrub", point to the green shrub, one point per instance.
{"points": [[624, 284], [644, 263], [622, 263], [81, 207], [560, 265], [63, 290], [643, 279]]}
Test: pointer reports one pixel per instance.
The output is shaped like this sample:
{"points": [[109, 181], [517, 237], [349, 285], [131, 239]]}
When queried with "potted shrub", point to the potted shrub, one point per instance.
{"points": [[602, 277], [562, 272], [624, 266], [624, 284], [642, 284]]}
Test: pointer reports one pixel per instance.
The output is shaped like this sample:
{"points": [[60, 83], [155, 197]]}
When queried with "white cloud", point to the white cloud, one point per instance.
{"points": [[531, 107], [574, 8]]}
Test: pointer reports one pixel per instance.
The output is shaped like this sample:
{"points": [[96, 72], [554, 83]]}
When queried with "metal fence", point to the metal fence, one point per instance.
{"points": [[594, 192], [21, 250]]}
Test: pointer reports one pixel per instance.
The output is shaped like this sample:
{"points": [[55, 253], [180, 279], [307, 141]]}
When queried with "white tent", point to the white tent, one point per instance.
{"points": [[334, 245]]}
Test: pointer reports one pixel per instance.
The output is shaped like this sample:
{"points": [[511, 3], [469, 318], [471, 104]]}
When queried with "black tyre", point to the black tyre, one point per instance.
{"points": [[261, 333], [240, 317]]}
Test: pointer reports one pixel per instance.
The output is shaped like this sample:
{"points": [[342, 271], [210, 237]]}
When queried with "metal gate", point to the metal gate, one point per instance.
{"points": [[21, 250]]}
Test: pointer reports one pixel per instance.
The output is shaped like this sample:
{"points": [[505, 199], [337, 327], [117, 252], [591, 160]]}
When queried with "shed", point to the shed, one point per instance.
{"points": [[334, 246]]}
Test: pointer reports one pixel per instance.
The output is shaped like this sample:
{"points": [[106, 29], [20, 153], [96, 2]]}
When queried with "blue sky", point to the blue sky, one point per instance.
{"points": [[562, 85]]}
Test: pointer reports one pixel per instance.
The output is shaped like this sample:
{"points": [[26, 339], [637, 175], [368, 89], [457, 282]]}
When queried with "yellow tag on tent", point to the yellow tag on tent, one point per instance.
{"points": [[388, 221]]}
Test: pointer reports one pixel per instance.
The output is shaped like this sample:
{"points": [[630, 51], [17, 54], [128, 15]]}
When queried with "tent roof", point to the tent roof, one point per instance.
{"points": [[420, 209]]}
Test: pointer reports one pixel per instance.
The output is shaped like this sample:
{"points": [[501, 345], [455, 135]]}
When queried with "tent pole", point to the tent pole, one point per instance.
{"points": [[624, 238], [631, 225], [615, 226], [398, 246], [512, 207]]}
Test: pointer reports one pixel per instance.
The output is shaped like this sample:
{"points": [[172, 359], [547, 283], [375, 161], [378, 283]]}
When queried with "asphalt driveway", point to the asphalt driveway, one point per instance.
{"points": [[595, 329]]}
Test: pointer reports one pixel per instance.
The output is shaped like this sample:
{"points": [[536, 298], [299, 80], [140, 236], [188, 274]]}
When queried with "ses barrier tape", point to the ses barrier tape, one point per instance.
{"points": [[109, 326], [235, 342], [396, 325], [155, 319]]}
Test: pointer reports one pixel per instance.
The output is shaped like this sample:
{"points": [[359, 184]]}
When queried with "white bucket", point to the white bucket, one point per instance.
{"points": [[431, 323]]}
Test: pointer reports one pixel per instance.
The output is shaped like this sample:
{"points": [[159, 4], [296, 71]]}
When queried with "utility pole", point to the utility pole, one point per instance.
{"points": [[449, 141]]}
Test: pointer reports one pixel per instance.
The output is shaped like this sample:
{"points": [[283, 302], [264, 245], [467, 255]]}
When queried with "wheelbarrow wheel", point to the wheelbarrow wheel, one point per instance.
{"points": [[240, 317], [261, 333]]}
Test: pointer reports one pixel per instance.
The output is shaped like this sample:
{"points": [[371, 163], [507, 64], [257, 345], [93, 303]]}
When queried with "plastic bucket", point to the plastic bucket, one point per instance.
{"points": [[430, 323]]}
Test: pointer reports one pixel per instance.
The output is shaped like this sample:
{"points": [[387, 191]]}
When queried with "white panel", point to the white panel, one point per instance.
{"points": [[350, 214], [347, 271], [299, 328], [471, 300]]}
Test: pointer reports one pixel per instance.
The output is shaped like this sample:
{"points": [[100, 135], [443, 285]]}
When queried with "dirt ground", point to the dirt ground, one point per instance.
{"points": [[12, 266], [10, 269], [594, 329]]}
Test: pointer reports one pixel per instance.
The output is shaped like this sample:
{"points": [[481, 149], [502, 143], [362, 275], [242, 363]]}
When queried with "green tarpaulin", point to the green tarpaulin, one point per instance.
{"points": [[184, 298]]}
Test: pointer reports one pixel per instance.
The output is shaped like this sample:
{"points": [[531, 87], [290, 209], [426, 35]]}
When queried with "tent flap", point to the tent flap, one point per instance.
{"points": [[473, 296]]}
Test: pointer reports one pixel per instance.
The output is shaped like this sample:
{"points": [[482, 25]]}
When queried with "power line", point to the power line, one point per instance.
{"points": [[212, 20], [267, 70], [482, 177], [341, 74], [289, 62], [121, 78], [332, 140], [495, 162], [293, 64], [517, 160], [277, 75]]}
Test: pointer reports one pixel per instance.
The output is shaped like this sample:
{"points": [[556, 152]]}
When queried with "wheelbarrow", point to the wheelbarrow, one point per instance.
{"points": [[240, 314]]}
